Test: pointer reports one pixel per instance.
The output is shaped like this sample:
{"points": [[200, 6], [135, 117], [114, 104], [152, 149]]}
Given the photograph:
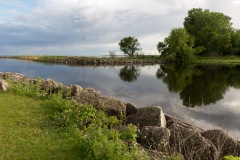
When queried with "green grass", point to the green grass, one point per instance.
{"points": [[51, 58], [26, 132], [231, 158], [218, 60], [36, 125]]}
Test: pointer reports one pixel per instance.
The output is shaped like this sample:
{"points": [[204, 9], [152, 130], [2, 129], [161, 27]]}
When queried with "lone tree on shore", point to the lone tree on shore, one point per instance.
{"points": [[129, 45]]}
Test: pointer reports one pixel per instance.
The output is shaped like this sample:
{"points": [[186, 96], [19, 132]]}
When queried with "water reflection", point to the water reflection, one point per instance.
{"points": [[199, 85], [129, 73]]}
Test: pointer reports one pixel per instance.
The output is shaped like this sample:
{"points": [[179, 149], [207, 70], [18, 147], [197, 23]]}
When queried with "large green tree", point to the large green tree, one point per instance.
{"points": [[212, 30], [129, 45], [235, 48], [179, 45]]}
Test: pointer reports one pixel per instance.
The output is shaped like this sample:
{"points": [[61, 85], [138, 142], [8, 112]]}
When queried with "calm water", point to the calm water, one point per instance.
{"points": [[207, 96]]}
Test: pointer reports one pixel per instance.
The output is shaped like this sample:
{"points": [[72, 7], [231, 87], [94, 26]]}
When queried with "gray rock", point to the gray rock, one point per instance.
{"points": [[191, 144], [173, 120], [131, 109], [154, 137], [15, 77], [50, 86], [224, 143], [148, 116], [108, 104], [75, 90], [3, 85]]}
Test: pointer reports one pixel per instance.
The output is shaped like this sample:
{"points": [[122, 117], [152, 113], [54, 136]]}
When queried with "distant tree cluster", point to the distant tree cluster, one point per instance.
{"points": [[204, 33]]}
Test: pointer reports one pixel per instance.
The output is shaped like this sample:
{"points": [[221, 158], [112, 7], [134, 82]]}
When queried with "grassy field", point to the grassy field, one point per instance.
{"points": [[26, 132], [218, 60], [37, 125]]}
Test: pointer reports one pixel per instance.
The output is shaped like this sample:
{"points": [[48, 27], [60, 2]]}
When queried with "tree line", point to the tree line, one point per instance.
{"points": [[205, 33]]}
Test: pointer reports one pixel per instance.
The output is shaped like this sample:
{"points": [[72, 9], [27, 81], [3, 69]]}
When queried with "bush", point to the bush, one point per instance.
{"points": [[95, 135], [231, 158], [112, 54]]}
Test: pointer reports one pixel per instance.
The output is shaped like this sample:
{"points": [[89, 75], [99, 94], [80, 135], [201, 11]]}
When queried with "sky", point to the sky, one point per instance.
{"points": [[95, 27]]}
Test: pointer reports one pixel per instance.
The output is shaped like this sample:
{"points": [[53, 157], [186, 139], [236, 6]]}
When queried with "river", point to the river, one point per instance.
{"points": [[207, 96]]}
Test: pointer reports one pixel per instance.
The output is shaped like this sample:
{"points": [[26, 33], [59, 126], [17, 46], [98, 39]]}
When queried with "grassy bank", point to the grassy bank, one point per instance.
{"points": [[155, 59], [36, 125], [25, 132], [53, 57], [80, 59], [218, 60]]}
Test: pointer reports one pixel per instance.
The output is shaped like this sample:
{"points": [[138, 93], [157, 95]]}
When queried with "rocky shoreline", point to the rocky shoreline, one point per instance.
{"points": [[158, 132], [88, 61]]}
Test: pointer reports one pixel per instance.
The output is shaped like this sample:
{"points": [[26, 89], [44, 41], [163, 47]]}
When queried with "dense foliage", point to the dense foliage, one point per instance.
{"points": [[235, 41], [204, 33], [212, 30], [129, 45], [178, 45]]}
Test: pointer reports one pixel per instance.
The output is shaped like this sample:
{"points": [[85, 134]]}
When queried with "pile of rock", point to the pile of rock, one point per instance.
{"points": [[93, 61], [158, 132], [164, 133]]}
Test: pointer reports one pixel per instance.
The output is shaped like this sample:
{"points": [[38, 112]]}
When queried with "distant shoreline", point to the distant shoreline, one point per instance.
{"points": [[118, 61], [93, 61]]}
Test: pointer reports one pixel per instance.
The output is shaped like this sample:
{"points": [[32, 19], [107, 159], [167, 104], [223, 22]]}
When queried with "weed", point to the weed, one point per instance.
{"points": [[231, 158]]}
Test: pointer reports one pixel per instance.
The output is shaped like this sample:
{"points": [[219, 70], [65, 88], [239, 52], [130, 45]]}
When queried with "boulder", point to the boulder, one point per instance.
{"points": [[191, 144], [154, 137], [50, 86], [3, 85], [173, 120], [131, 109], [224, 143], [75, 90], [148, 116], [15, 77], [108, 104]]}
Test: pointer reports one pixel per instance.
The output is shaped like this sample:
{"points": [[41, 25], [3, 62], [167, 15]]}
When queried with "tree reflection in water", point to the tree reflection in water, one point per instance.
{"points": [[129, 73], [199, 85]]}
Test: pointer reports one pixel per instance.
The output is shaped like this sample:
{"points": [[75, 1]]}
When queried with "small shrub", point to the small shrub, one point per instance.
{"points": [[95, 134], [112, 54], [130, 133], [103, 143], [231, 158]]}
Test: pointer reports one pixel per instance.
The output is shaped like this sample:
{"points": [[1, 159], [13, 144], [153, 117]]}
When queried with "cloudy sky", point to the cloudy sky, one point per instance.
{"points": [[94, 27]]}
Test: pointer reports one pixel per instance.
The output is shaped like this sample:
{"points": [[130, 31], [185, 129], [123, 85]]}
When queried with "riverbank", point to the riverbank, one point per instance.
{"points": [[119, 61], [218, 60], [91, 61], [158, 132]]}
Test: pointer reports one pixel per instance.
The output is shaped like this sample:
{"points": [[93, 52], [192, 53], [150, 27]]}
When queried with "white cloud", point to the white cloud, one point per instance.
{"points": [[71, 23]]}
